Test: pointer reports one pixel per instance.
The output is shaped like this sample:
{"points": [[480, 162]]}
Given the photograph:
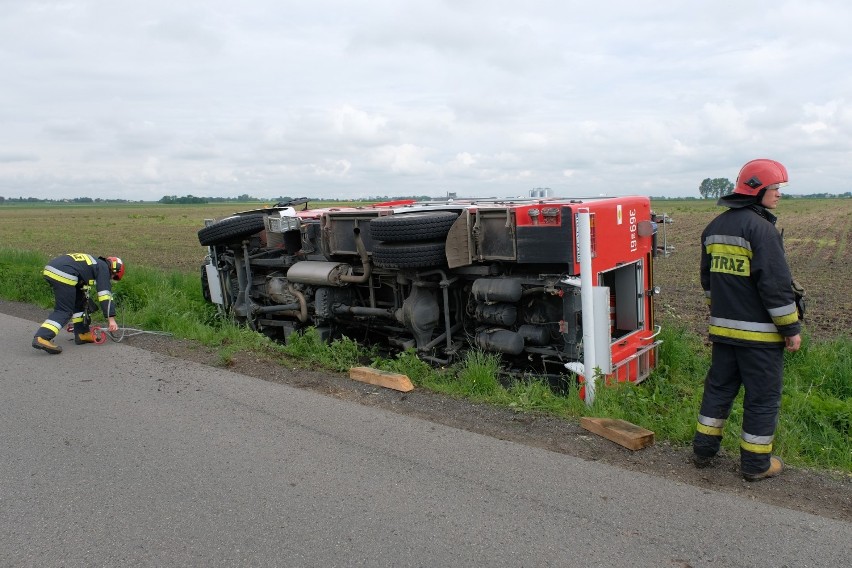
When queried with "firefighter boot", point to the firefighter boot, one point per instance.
{"points": [[776, 466], [46, 345], [81, 338]]}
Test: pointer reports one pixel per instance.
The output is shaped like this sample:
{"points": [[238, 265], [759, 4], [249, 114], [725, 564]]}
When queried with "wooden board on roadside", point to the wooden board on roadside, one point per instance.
{"points": [[395, 381], [621, 432]]}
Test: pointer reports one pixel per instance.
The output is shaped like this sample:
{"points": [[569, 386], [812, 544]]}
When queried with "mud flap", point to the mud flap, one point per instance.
{"points": [[459, 244]]}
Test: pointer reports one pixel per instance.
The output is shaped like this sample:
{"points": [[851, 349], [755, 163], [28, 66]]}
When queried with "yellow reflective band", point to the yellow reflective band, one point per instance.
{"points": [[786, 320], [730, 250], [58, 278], [77, 319], [709, 430], [51, 327], [756, 448], [760, 336]]}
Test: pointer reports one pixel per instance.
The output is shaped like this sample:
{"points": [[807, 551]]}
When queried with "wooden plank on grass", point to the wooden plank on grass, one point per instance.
{"points": [[624, 433], [395, 381]]}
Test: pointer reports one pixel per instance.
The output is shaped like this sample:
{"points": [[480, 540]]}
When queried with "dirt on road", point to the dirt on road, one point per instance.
{"points": [[821, 493]]}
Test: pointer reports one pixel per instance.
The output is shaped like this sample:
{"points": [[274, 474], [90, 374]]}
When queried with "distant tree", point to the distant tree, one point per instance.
{"points": [[715, 188], [187, 199]]}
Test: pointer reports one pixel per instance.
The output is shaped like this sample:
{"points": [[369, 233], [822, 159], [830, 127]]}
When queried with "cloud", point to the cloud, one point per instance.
{"points": [[11, 157], [405, 159], [357, 98], [358, 125]]}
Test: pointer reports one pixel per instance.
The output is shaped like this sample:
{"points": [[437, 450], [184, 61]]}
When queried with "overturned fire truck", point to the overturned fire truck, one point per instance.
{"points": [[443, 277]]}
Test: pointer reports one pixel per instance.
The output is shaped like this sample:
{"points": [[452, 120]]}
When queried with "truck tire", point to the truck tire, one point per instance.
{"points": [[231, 229], [407, 227], [409, 255]]}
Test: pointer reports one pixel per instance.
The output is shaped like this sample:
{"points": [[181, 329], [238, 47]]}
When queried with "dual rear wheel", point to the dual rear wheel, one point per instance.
{"points": [[411, 240]]}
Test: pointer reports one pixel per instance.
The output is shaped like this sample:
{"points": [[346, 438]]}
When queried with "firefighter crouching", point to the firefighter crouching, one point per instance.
{"points": [[753, 317], [71, 276]]}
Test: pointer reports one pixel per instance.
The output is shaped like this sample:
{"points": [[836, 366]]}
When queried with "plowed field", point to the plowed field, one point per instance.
{"points": [[817, 234]]}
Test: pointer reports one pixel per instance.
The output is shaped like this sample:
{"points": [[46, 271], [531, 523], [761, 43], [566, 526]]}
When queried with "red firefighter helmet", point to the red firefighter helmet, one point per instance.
{"points": [[758, 174], [116, 267]]}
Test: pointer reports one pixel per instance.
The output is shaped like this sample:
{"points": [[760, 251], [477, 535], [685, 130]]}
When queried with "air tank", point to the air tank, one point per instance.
{"points": [[497, 290], [501, 340], [496, 314], [534, 334]]}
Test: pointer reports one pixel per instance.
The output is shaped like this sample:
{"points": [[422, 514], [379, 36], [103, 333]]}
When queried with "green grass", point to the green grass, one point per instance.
{"points": [[338, 355], [21, 279], [816, 415]]}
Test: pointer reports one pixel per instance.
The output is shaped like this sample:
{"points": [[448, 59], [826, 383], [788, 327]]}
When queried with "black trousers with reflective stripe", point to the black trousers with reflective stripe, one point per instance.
{"points": [[760, 371], [68, 301]]}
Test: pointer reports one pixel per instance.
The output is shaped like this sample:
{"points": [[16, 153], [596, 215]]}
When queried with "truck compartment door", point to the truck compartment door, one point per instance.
{"points": [[603, 343]]}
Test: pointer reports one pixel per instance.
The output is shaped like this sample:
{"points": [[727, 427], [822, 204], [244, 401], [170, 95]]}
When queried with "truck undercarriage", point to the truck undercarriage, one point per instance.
{"points": [[445, 277]]}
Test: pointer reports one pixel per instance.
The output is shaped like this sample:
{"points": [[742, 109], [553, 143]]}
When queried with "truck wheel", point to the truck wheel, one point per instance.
{"points": [[409, 255], [407, 227], [231, 229]]}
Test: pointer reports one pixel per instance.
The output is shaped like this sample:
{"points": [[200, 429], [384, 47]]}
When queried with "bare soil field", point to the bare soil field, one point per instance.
{"points": [[817, 235]]}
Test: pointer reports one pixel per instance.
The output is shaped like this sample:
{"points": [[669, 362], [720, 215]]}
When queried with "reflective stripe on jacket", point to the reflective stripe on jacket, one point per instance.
{"points": [[746, 279]]}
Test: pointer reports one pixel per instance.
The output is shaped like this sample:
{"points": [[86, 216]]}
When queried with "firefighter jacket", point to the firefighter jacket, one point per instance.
{"points": [[746, 279], [86, 272]]}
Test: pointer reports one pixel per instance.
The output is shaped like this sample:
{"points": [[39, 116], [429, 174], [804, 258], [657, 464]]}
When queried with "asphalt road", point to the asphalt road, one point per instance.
{"points": [[115, 456]]}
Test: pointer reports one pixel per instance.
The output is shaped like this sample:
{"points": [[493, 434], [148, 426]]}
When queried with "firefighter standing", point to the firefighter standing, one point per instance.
{"points": [[753, 317], [71, 276]]}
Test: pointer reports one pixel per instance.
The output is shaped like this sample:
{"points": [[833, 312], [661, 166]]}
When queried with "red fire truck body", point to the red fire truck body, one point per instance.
{"points": [[443, 277]]}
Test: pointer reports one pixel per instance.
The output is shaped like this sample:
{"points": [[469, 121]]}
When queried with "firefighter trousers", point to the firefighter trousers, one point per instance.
{"points": [[760, 371], [70, 304]]}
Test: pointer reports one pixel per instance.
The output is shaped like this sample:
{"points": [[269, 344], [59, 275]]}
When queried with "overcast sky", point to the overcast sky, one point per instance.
{"points": [[346, 98]]}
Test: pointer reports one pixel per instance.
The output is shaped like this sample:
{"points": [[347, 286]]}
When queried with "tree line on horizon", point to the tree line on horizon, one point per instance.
{"points": [[709, 189], [718, 187]]}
